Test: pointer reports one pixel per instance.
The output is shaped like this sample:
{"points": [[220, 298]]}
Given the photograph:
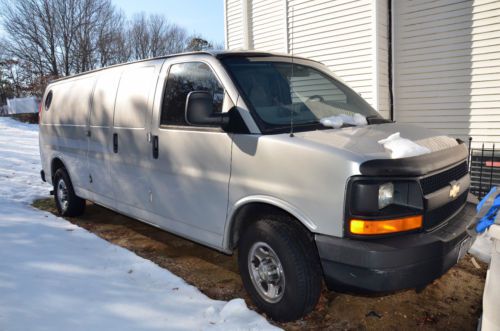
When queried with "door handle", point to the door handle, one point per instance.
{"points": [[155, 147], [115, 142]]}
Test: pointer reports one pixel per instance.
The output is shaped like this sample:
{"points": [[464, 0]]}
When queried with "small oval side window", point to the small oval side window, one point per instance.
{"points": [[48, 100]]}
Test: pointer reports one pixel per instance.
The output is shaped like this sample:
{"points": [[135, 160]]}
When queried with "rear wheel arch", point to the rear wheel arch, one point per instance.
{"points": [[67, 202], [55, 165]]}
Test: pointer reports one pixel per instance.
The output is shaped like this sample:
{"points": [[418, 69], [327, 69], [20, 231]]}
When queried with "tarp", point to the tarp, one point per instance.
{"points": [[487, 212], [22, 105]]}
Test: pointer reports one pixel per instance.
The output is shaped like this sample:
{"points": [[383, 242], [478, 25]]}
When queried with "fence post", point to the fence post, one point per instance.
{"points": [[481, 173], [492, 165], [469, 158]]}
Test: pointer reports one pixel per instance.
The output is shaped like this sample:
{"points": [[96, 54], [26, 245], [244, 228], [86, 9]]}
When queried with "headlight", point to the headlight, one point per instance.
{"points": [[381, 206], [385, 195]]}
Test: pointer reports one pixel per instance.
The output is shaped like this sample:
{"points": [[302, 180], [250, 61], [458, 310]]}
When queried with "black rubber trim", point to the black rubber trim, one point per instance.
{"points": [[395, 263], [442, 197], [42, 175], [416, 165]]}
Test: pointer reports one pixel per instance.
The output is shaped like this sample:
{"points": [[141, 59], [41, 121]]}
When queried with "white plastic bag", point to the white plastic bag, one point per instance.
{"points": [[400, 147], [481, 249]]}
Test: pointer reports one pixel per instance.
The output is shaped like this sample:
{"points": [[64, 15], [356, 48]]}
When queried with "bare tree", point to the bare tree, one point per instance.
{"points": [[139, 36], [176, 40], [66, 14], [92, 16], [112, 45], [31, 28], [46, 39], [154, 35]]}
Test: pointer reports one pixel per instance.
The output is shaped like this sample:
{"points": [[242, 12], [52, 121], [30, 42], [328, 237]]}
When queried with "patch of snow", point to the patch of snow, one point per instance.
{"points": [[400, 147], [339, 120], [57, 276]]}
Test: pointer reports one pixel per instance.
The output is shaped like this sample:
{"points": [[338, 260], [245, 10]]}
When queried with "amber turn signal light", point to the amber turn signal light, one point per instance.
{"points": [[374, 227]]}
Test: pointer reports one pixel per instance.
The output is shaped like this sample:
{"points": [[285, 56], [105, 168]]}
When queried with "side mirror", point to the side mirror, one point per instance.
{"points": [[199, 110]]}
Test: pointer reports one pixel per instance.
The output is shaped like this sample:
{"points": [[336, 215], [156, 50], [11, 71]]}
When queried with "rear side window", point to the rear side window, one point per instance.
{"points": [[131, 105], [48, 100], [182, 79]]}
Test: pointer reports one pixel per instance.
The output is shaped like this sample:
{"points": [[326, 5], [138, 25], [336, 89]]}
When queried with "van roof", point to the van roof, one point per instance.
{"points": [[217, 54]]}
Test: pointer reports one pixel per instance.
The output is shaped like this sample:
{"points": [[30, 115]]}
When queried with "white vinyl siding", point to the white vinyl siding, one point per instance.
{"points": [[445, 53], [267, 25], [447, 67], [382, 58], [235, 24], [340, 35]]}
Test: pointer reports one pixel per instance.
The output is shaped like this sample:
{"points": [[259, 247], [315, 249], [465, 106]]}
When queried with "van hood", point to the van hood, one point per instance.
{"points": [[363, 141]]}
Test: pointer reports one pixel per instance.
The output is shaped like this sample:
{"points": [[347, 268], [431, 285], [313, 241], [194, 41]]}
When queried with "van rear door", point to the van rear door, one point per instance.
{"points": [[191, 165]]}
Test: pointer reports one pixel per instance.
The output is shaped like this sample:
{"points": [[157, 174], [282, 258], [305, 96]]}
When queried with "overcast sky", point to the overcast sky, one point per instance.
{"points": [[205, 17]]}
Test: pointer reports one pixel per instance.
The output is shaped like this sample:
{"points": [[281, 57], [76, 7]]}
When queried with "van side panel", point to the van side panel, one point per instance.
{"points": [[133, 154], [64, 127], [100, 147]]}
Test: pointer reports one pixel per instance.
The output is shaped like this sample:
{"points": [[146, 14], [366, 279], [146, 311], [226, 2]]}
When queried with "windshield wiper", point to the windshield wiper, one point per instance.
{"points": [[376, 119]]}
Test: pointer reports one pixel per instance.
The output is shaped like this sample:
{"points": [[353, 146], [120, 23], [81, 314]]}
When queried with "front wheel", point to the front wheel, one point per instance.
{"points": [[279, 268], [67, 202]]}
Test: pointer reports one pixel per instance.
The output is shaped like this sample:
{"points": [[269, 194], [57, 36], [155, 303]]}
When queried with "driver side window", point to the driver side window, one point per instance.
{"points": [[182, 79]]}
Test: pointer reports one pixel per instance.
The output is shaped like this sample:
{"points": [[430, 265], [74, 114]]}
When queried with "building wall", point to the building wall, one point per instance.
{"points": [[382, 57], [447, 66], [445, 54], [339, 33], [235, 22], [267, 25]]}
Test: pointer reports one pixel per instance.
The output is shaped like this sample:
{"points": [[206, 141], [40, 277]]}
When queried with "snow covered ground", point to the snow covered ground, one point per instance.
{"points": [[57, 276]]}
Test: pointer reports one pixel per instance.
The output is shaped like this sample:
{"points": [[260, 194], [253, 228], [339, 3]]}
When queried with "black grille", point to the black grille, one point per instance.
{"points": [[438, 215], [435, 182]]}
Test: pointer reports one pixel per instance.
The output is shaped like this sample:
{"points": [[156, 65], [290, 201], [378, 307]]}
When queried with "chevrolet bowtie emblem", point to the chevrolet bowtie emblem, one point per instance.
{"points": [[454, 189]]}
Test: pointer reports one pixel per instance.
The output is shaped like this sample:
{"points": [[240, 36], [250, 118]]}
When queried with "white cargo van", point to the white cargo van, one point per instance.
{"points": [[268, 155]]}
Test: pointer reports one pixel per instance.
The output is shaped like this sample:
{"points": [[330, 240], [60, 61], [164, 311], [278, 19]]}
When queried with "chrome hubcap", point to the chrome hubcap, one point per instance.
{"points": [[62, 194], [266, 272]]}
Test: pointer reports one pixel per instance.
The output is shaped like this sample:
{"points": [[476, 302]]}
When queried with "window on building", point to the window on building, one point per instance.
{"points": [[182, 79]]}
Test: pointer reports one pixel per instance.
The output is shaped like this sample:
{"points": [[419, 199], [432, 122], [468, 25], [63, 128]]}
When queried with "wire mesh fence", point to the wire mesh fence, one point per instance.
{"points": [[484, 168]]}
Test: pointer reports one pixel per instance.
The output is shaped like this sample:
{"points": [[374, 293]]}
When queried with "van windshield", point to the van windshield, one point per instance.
{"points": [[279, 92]]}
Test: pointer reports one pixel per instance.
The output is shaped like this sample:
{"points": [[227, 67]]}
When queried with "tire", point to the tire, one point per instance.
{"points": [[67, 203], [295, 279]]}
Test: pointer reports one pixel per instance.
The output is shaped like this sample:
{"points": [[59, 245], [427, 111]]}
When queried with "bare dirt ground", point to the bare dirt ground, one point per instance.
{"points": [[452, 302]]}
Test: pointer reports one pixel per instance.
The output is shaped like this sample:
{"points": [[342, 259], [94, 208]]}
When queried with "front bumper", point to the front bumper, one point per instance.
{"points": [[394, 263]]}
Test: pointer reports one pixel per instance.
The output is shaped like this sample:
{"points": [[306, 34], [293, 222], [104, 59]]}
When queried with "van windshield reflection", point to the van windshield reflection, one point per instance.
{"points": [[279, 92]]}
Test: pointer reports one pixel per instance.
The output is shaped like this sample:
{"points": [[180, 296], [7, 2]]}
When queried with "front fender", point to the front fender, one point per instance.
{"points": [[269, 200]]}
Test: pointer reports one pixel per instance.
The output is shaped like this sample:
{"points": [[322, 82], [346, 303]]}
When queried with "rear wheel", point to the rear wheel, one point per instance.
{"points": [[279, 267], [67, 203]]}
